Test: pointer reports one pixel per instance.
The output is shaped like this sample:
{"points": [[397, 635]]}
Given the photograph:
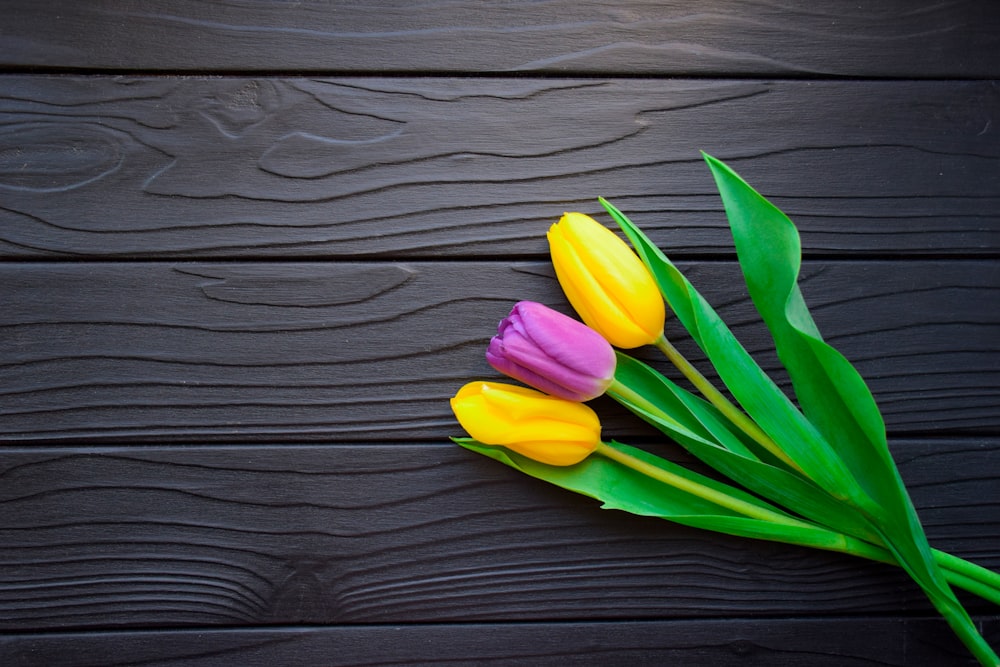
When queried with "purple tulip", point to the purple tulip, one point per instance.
{"points": [[552, 353]]}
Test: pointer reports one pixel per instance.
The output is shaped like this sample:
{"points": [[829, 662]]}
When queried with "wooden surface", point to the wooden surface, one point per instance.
{"points": [[287, 167], [893, 38], [254, 350], [249, 249]]}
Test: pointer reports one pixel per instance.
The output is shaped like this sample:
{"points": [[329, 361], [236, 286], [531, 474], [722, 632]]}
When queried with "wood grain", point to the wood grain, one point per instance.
{"points": [[249, 248], [327, 351], [100, 537], [111, 167], [892, 38], [721, 643]]}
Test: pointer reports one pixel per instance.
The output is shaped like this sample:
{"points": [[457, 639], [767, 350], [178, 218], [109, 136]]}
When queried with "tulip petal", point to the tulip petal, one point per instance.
{"points": [[605, 281], [553, 382], [589, 298], [569, 342], [552, 352], [625, 279], [525, 355], [543, 452], [548, 429]]}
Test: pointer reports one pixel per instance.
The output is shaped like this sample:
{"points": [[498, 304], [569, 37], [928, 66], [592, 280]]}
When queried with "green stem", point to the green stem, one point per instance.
{"points": [[960, 623], [631, 396], [969, 576], [959, 572], [723, 404], [952, 610], [700, 490]]}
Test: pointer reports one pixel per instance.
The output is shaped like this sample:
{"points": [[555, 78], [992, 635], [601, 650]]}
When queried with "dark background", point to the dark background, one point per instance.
{"points": [[249, 249]]}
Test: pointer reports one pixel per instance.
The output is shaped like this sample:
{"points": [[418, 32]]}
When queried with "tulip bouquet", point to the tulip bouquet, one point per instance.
{"points": [[815, 472]]}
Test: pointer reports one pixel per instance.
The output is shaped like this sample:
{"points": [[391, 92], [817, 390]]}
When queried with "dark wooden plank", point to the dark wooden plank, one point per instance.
{"points": [[100, 537], [425, 167], [720, 643], [134, 351], [893, 38]]}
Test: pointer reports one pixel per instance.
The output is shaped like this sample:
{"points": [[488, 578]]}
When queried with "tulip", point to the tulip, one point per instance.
{"points": [[551, 352], [606, 282], [545, 428]]}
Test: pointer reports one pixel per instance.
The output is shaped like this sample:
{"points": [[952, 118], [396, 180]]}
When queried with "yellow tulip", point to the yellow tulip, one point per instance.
{"points": [[606, 282], [544, 428]]}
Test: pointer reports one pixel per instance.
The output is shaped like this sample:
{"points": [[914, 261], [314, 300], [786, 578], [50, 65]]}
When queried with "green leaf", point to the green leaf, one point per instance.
{"points": [[696, 425], [830, 391], [685, 414], [832, 394], [763, 401], [619, 487], [896, 525]]}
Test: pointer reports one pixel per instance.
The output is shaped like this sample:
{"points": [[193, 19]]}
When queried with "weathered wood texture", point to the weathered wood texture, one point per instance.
{"points": [[891, 38], [719, 643], [250, 351], [283, 534], [249, 249], [215, 167]]}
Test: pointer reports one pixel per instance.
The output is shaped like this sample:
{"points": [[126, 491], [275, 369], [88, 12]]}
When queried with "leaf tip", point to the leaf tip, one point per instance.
{"points": [[609, 207], [713, 162]]}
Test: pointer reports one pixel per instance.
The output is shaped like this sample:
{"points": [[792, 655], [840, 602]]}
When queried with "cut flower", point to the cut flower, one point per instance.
{"points": [[545, 428], [606, 282], [552, 352]]}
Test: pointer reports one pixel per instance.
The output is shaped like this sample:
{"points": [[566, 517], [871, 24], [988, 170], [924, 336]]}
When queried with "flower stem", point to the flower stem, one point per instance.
{"points": [[973, 578], [724, 405], [700, 490], [965, 629], [618, 390], [959, 572]]}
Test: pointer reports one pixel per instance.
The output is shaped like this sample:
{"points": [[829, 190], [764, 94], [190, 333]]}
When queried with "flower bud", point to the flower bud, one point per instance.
{"points": [[606, 282], [545, 428], [552, 352]]}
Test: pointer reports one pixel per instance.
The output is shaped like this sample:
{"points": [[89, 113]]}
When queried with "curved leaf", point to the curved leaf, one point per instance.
{"points": [[685, 414], [831, 392], [763, 401], [774, 482], [620, 487]]}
